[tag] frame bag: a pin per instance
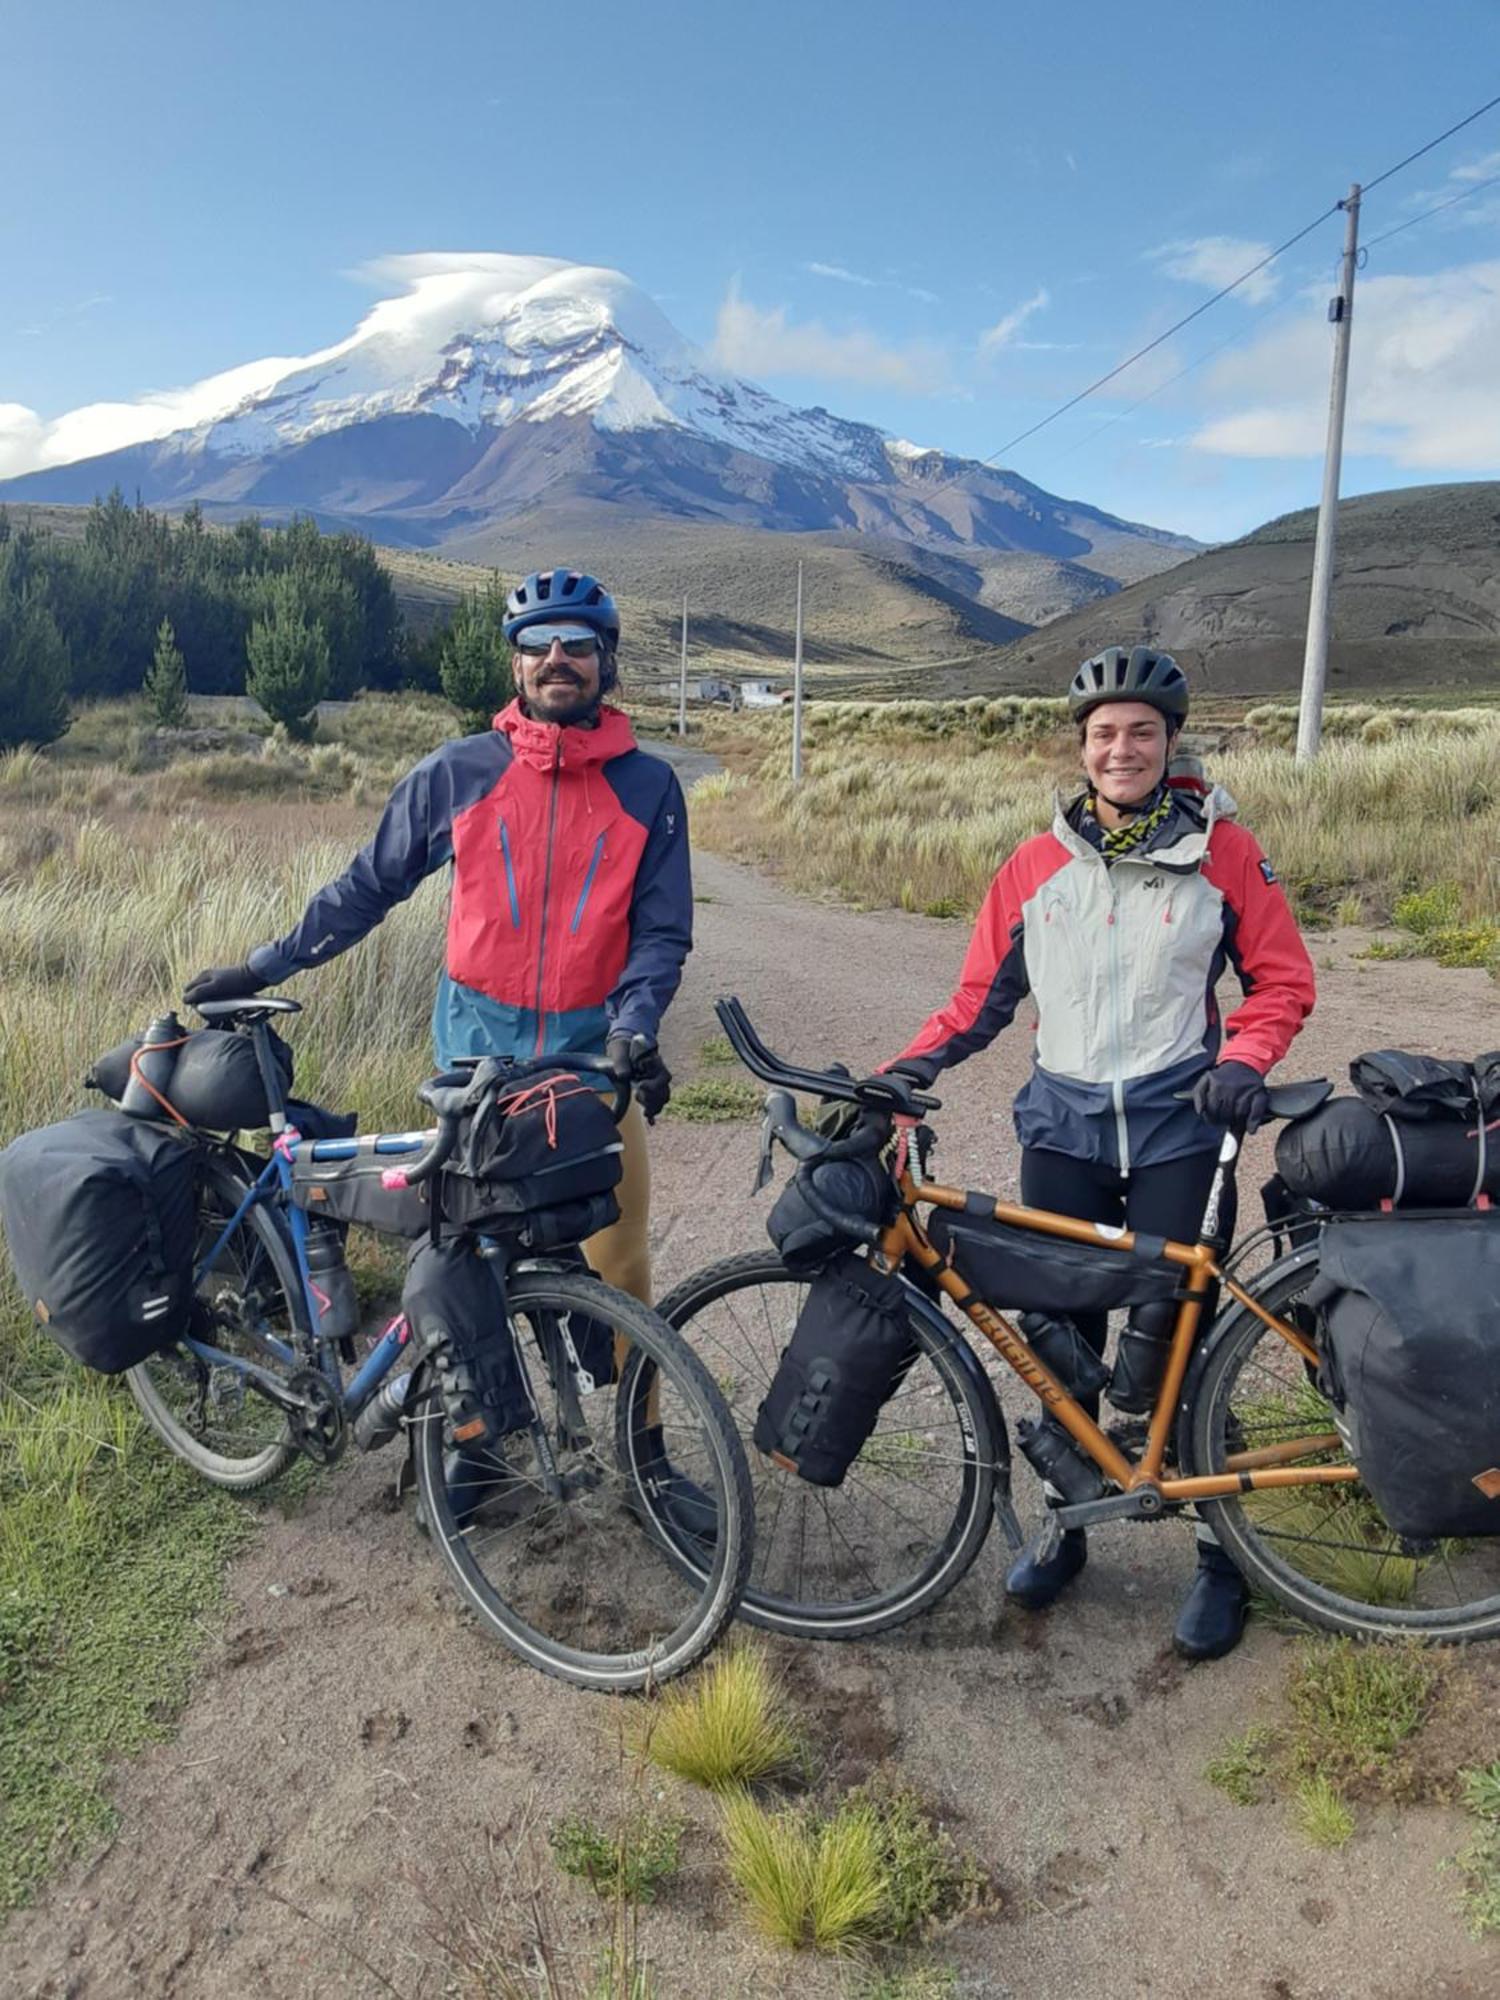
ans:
(351, 1191)
(1413, 1343)
(99, 1213)
(1021, 1270)
(848, 1354)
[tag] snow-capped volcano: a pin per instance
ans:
(493, 384)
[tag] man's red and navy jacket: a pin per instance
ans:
(572, 904)
(1122, 958)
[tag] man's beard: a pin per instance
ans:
(579, 708)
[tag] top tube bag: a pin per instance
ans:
(1021, 1270)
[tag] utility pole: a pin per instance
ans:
(797, 690)
(1315, 659)
(682, 678)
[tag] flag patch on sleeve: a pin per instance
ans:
(1267, 870)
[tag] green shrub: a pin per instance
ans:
(629, 1860)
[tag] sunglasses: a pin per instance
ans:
(538, 649)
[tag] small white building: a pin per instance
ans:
(761, 694)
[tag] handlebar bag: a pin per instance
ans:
(1413, 1331)
(848, 1354)
(99, 1215)
(861, 1187)
(531, 1149)
(1348, 1155)
(1019, 1270)
(215, 1080)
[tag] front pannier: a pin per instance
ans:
(1019, 1270)
(455, 1305)
(859, 1187)
(1347, 1155)
(538, 1160)
(99, 1214)
(847, 1356)
(1413, 1338)
(215, 1080)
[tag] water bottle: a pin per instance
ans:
(332, 1280)
(153, 1064)
(1140, 1364)
(1059, 1346)
(1058, 1461)
(380, 1419)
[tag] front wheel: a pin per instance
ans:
(247, 1303)
(913, 1509)
(1325, 1552)
(554, 1534)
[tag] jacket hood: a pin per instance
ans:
(548, 744)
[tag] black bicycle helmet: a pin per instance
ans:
(552, 595)
(1139, 674)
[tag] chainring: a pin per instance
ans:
(317, 1427)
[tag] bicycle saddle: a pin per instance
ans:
(253, 1007)
(1296, 1100)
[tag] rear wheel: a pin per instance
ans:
(555, 1534)
(915, 1506)
(1324, 1552)
(248, 1304)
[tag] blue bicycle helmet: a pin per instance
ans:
(549, 596)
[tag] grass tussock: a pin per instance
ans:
(728, 1726)
(1323, 1818)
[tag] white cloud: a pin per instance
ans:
(1216, 261)
(837, 271)
(1477, 170)
(751, 340)
(1424, 390)
(1003, 333)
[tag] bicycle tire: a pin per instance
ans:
(1274, 1544)
(622, 1569)
(945, 1369)
(261, 1259)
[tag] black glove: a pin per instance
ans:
(637, 1058)
(1234, 1095)
(224, 982)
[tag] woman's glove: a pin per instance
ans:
(1233, 1095)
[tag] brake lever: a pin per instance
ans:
(764, 1168)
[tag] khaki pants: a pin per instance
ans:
(621, 1254)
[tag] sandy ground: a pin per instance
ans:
(353, 1736)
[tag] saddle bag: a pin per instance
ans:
(860, 1187)
(215, 1079)
(1411, 1312)
(1019, 1270)
(99, 1215)
(848, 1354)
(1348, 1155)
(538, 1162)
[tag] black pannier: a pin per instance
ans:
(1412, 1346)
(859, 1187)
(537, 1158)
(1347, 1155)
(1019, 1270)
(351, 1191)
(455, 1305)
(99, 1214)
(848, 1354)
(215, 1080)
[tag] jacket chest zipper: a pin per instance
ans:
(510, 875)
(1117, 1079)
(541, 949)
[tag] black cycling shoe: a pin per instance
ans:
(682, 1501)
(1212, 1617)
(1035, 1584)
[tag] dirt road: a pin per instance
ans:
(352, 1736)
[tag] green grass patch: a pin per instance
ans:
(717, 1052)
(1353, 1707)
(713, 1100)
(1322, 1817)
(1242, 1769)
(1479, 1864)
(631, 1858)
(726, 1727)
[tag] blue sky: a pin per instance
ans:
(941, 218)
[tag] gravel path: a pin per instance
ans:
(353, 1737)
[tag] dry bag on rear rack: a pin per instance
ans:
(860, 1187)
(1020, 1270)
(1347, 1155)
(99, 1215)
(215, 1080)
(847, 1356)
(1413, 1348)
(538, 1161)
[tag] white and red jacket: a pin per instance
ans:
(1122, 958)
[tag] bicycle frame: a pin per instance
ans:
(1246, 1471)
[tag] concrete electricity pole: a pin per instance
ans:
(1315, 660)
(682, 678)
(797, 690)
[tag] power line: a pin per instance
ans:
(1368, 185)
(1437, 209)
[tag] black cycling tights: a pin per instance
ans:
(1165, 1200)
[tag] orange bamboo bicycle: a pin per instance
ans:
(1240, 1430)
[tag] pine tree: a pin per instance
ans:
(34, 662)
(474, 666)
(287, 660)
(165, 686)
